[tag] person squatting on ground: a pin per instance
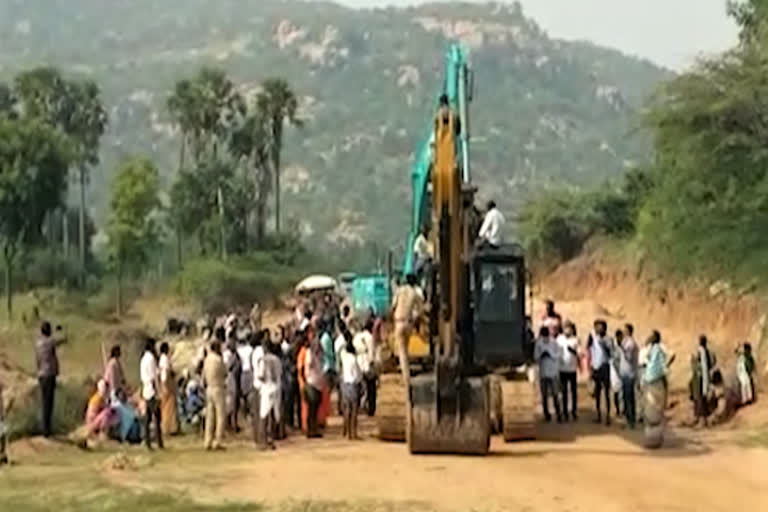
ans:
(568, 342)
(547, 355)
(600, 348)
(150, 386)
(215, 382)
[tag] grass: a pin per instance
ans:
(68, 480)
(757, 438)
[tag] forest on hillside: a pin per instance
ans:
(547, 112)
(699, 208)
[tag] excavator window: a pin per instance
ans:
(498, 292)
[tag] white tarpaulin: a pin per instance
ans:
(315, 283)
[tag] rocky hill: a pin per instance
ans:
(546, 111)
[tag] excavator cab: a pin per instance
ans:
(498, 283)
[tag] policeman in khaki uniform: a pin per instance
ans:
(406, 309)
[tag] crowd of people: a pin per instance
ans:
(620, 371)
(277, 381)
(283, 380)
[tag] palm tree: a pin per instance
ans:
(251, 144)
(277, 103)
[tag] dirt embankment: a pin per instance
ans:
(596, 285)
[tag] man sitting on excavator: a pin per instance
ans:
(490, 231)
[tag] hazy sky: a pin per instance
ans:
(669, 32)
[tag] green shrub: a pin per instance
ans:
(68, 413)
(219, 286)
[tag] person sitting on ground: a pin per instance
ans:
(726, 398)
(547, 355)
(99, 415)
(194, 403)
(127, 426)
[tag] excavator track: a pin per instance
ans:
(391, 413)
(518, 397)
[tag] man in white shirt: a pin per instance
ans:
(490, 231)
(569, 366)
(269, 370)
(150, 379)
(245, 352)
(363, 343)
(423, 253)
(257, 355)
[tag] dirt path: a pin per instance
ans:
(580, 468)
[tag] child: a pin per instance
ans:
(351, 382)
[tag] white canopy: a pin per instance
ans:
(316, 283)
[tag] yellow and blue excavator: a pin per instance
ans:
(474, 336)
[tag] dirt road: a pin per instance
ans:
(584, 468)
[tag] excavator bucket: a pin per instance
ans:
(457, 424)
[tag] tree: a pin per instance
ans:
(205, 108)
(34, 160)
(277, 103)
(7, 101)
(250, 143)
(74, 108)
(708, 206)
(132, 229)
(86, 127)
(750, 16)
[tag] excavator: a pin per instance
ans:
(474, 332)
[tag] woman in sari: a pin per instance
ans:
(301, 360)
(99, 416)
(168, 409)
(655, 392)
